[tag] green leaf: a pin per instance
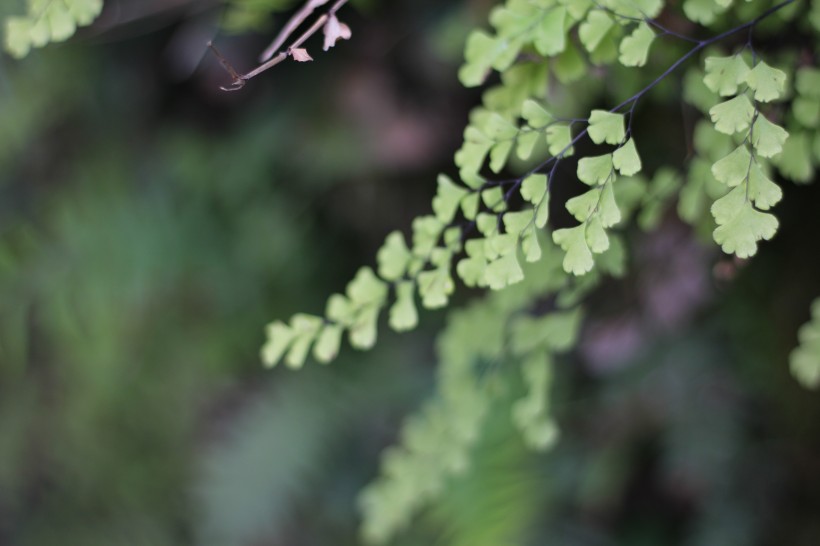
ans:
(493, 198)
(366, 288)
(363, 331)
(762, 191)
(517, 222)
(595, 170)
(807, 82)
(403, 313)
(526, 143)
(472, 270)
(626, 159)
(469, 205)
(340, 309)
(740, 235)
(48, 22)
(530, 245)
(569, 66)
(504, 271)
(725, 74)
(393, 257)
(499, 155)
(608, 210)
(732, 116)
(426, 231)
(733, 169)
(768, 83)
(804, 361)
(606, 127)
(634, 49)
(729, 206)
(794, 162)
(551, 37)
(480, 53)
(534, 188)
(702, 11)
(435, 287)
(279, 338)
(305, 329)
(597, 238)
(578, 259)
(535, 115)
(559, 140)
(768, 138)
(486, 223)
(582, 206)
(327, 344)
(447, 199)
(593, 30)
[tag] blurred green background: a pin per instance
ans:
(150, 225)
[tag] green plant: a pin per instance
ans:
(496, 226)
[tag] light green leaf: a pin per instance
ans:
(550, 38)
(499, 155)
(366, 288)
(486, 223)
(426, 232)
(517, 222)
(593, 30)
(608, 210)
(393, 257)
(606, 127)
(806, 111)
(327, 344)
(48, 22)
(535, 115)
(768, 83)
(472, 270)
(626, 159)
(729, 206)
(578, 259)
(733, 169)
(740, 235)
(569, 66)
(363, 331)
(732, 116)
(526, 143)
(447, 199)
(531, 246)
(542, 212)
(534, 188)
(762, 191)
(500, 244)
(634, 48)
(469, 205)
(504, 271)
(702, 11)
(768, 138)
(403, 313)
(725, 74)
(493, 199)
(597, 239)
(435, 287)
(279, 337)
(794, 162)
(595, 170)
(807, 82)
(582, 206)
(804, 361)
(340, 309)
(305, 329)
(559, 140)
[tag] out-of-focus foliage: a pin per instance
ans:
(149, 225)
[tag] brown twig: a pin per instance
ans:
(267, 58)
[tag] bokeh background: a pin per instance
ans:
(150, 225)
